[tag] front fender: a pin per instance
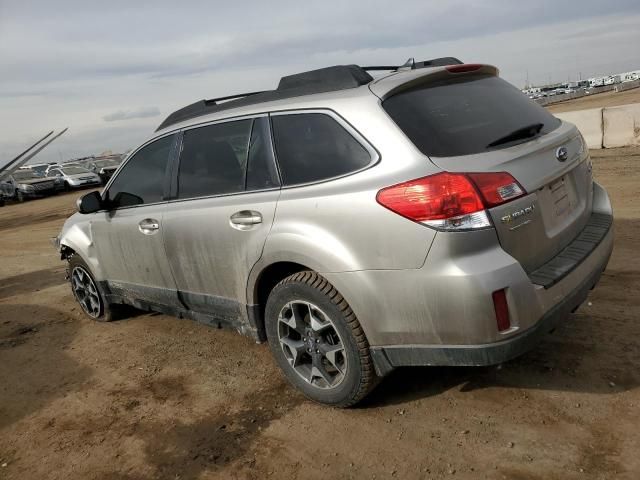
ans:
(77, 235)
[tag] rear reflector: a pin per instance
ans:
(451, 201)
(502, 309)
(465, 67)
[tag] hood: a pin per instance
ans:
(33, 181)
(77, 176)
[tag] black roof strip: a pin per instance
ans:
(329, 79)
(214, 101)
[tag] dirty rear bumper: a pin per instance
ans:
(386, 358)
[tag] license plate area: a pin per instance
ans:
(561, 196)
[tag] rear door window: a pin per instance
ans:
(474, 114)
(214, 159)
(312, 147)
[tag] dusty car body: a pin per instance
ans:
(432, 216)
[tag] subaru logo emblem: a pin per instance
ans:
(562, 154)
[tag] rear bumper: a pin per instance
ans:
(443, 313)
(386, 358)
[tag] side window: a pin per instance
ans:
(141, 180)
(261, 165)
(312, 146)
(213, 159)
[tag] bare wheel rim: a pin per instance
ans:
(85, 291)
(311, 344)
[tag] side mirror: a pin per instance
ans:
(89, 203)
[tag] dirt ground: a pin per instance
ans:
(606, 99)
(156, 397)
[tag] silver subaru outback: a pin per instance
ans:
(430, 215)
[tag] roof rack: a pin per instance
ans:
(329, 79)
(201, 107)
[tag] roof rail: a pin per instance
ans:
(338, 77)
(214, 101)
(201, 107)
(329, 79)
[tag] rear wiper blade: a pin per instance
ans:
(523, 132)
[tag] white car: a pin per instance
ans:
(73, 176)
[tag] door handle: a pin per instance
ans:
(149, 226)
(245, 219)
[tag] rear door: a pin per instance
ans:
(129, 236)
(215, 229)
(480, 123)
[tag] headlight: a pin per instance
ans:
(24, 186)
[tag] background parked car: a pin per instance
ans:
(103, 168)
(73, 176)
(28, 184)
(6, 192)
(38, 169)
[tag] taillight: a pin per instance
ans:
(502, 310)
(450, 201)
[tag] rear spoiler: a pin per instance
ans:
(390, 85)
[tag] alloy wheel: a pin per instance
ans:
(85, 291)
(311, 344)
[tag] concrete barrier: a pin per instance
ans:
(589, 122)
(621, 126)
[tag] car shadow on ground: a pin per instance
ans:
(32, 282)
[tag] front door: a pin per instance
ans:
(215, 229)
(129, 235)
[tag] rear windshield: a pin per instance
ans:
(471, 115)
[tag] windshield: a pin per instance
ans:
(24, 175)
(474, 114)
(39, 168)
(74, 170)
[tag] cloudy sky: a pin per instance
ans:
(111, 71)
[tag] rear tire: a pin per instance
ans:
(317, 341)
(88, 292)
